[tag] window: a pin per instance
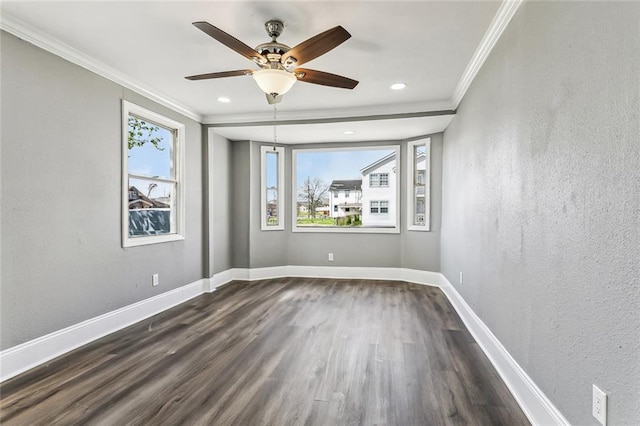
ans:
(335, 185)
(272, 182)
(418, 185)
(153, 199)
(379, 207)
(377, 180)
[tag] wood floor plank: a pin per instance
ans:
(287, 351)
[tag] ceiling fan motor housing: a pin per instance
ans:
(273, 50)
(274, 28)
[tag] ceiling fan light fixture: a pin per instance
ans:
(274, 81)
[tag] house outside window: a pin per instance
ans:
(152, 169)
(338, 181)
(380, 191)
(272, 188)
(418, 194)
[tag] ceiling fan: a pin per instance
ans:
(278, 62)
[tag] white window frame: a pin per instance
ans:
(263, 188)
(372, 230)
(411, 172)
(149, 116)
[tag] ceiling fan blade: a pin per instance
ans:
(317, 45)
(273, 99)
(324, 78)
(219, 74)
(230, 41)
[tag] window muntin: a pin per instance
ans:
(153, 205)
(343, 185)
(418, 194)
(272, 190)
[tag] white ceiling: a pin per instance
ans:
(151, 46)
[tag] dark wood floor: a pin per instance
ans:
(289, 351)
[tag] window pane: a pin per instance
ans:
(272, 207)
(337, 186)
(150, 149)
(419, 181)
(151, 207)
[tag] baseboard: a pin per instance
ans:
(371, 273)
(535, 404)
(220, 279)
(18, 359)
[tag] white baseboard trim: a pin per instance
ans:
(372, 273)
(23, 357)
(535, 404)
(220, 279)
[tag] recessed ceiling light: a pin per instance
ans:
(349, 132)
(398, 86)
(224, 100)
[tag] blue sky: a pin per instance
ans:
(147, 160)
(335, 165)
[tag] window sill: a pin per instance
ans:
(155, 239)
(394, 230)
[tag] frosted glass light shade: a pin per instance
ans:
(274, 81)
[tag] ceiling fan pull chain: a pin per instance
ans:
(275, 133)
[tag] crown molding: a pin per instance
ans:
(505, 12)
(58, 48)
(334, 115)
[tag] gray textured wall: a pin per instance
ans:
(62, 259)
(409, 249)
(541, 201)
(240, 204)
(221, 211)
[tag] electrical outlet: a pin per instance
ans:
(330, 257)
(154, 280)
(599, 405)
(460, 277)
